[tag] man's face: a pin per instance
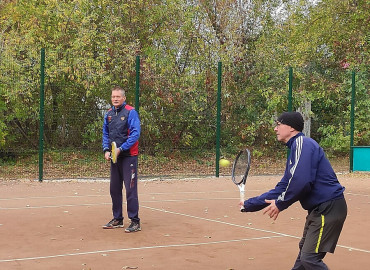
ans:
(283, 132)
(117, 98)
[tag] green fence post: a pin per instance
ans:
(41, 116)
(137, 93)
(352, 120)
(218, 129)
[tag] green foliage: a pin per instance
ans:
(91, 137)
(92, 45)
(323, 42)
(334, 141)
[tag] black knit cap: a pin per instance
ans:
(293, 119)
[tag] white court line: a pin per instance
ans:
(137, 248)
(96, 204)
(52, 206)
(186, 215)
(176, 245)
(106, 195)
(51, 197)
(146, 194)
(218, 221)
(246, 227)
(356, 194)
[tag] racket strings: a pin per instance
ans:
(239, 171)
(241, 167)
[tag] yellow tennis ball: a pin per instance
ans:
(224, 162)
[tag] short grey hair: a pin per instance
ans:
(119, 88)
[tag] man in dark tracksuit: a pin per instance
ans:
(122, 125)
(309, 179)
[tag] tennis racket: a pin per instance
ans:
(113, 154)
(240, 171)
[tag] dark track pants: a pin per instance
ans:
(124, 172)
(320, 235)
(306, 261)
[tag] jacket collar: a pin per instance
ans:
(119, 108)
(291, 140)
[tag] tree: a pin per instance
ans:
(92, 45)
(315, 39)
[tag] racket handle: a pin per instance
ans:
(242, 201)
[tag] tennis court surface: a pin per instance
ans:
(186, 224)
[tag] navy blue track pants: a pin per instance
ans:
(124, 172)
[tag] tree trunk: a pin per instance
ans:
(305, 110)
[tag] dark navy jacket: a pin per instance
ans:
(122, 126)
(309, 178)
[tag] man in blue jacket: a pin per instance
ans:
(310, 179)
(122, 125)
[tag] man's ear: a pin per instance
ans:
(293, 131)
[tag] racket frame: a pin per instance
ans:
(241, 184)
(114, 152)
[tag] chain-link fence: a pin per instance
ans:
(178, 112)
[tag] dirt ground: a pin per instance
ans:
(186, 224)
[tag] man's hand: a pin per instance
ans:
(241, 206)
(107, 154)
(271, 210)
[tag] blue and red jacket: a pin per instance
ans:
(309, 178)
(122, 125)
